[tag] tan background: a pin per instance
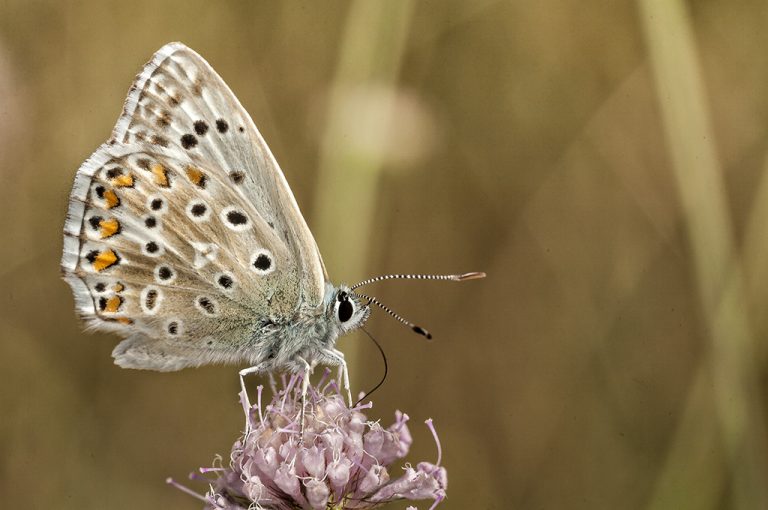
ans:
(603, 161)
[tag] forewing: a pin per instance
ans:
(179, 101)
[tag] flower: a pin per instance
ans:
(337, 460)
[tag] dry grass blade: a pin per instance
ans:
(718, 273)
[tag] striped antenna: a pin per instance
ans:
(450, 277)
(408, 323)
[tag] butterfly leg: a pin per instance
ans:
(304, 387)
(338, 356)
(272, 382)
(245, 400)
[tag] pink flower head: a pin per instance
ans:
(340, 460)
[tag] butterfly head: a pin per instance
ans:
(347, 309)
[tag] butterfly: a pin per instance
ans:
(183, 237)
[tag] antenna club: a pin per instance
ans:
(422, 331)
(475, 275)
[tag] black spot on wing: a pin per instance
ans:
(150, 301)
(165, 273)
(114, 172)
(94, 221)
(207, 305)
(201, 127)
(237, 218)
(262, 262)
(188, 141)
(198, 210)
(225, 281)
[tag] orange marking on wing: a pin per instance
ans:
(160, 173)
(123, 181)
(119, 287)
(111, 198)
(109, 227)
(113, 304)
(121, 320)
(104, 260)
(195, 175)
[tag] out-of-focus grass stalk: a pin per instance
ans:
(693, 475)
(755, 251)
(369, 59)
(731, 370)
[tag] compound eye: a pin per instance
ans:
(345, 310)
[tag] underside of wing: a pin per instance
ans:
(179, 102)
(182, 233)
(159, 244)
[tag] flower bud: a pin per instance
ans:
(313, 461)
(338, 472)
(375, 478)
(286, 479)
(317, 494)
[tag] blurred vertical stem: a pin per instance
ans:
(756, 254)
(369, 57)
(731, 370)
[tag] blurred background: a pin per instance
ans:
(604, 162)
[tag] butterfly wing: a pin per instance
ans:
(180, 100)
(182, 233)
